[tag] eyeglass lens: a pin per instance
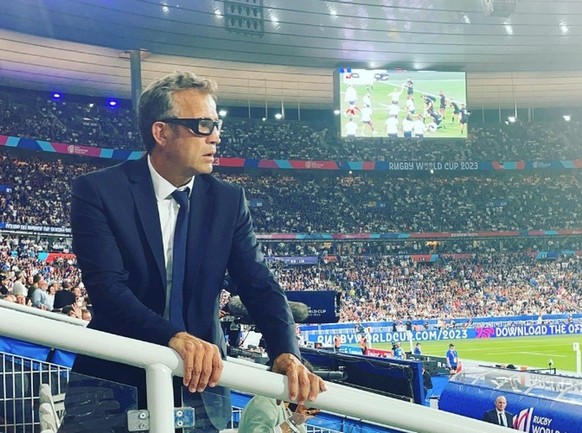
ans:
(205, 126)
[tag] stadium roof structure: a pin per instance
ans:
(522, 53)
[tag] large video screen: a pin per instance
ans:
(415, 104)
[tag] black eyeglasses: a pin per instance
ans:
(200, 126)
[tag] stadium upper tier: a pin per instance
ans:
(31, 114)
(36, 191)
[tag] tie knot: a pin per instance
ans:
(181, 196)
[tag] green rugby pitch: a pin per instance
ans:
(534, 352)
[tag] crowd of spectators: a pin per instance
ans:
(374, 287)
(449, 248)
(499, 277)
(36, 192)
(32, 114)
(28, 279)
(393, 288)
(37, 189)
(543, 141)
(380, 204)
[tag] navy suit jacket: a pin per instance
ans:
(491, 417)
(118, 242)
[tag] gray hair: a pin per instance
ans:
(156, 101)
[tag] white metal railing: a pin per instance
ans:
(160, 363)
(26, 384)
(42, 313)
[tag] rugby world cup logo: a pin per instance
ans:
(522, 421)
(485, 332)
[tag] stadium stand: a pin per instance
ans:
(440, 249)
(36, 192)
(35, 115)
(377, 279)
(388, 287)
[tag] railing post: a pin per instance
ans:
(160, 398)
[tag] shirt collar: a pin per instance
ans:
(162, 188)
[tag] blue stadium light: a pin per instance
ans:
(112, 103)
(57, 95)
(222, 113)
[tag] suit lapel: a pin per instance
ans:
(147, 209)
(200, 218)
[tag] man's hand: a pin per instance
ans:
(303, 385)
(303, 413)
(202, 361)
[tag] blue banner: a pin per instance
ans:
(34, 228)
(294, 260)
(536, 409)
(348, 336)
(429, 166)
(477, 322)
(323, 304)
(532, 330)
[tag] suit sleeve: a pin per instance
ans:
(258, 289)
(96, 242)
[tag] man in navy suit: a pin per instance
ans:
(123, 221)
(499, 415)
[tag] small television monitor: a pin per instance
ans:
(398, 103)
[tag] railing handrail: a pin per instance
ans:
(42, 313)
(162, 362)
